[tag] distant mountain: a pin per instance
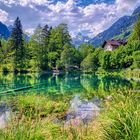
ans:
(119, 30)
(10, 28)
(26, 37)
(136, 11)
(4, 32)
(80, 39)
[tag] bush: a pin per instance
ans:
(136, 56)
(93, 61)
(128, 61)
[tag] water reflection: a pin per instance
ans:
(4, 116)
(68, 83)
(82, 111)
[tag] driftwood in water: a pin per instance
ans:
(18, 89)
(21, 89)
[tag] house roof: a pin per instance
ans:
(115, 43)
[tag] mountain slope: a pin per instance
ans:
(4, 32)
(80, 39)
(120, 29)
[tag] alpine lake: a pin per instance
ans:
(86, 91)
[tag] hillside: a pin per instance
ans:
(120, 29)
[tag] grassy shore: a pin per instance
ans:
(34, 116)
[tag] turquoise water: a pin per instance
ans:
(78, 85)
(63, 84)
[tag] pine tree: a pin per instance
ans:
(46, 31)
(18, 45)
(39, 46)
(45, 47)
(36, 47)
(66, 38)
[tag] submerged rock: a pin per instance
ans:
(82, 111)
(4, 116)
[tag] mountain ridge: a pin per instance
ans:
(121, 29)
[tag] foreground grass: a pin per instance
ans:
(35, 116)
(121, 120)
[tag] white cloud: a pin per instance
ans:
(126, 6)
(3, 16)
(7, 2)
(93, 18)
(33, 2)
(29, 31)
(25, 2)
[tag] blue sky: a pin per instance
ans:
(87, 16)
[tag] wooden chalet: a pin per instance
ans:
(111, 45)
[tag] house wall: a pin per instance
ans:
(108, 47)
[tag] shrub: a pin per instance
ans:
(136, 56)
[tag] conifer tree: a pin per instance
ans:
(46, 31)
(18, 45)
(45, 47)
(65, 36)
